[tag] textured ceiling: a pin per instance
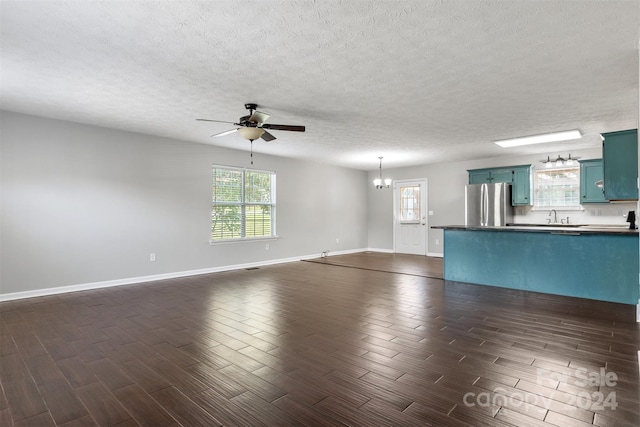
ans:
(414, 81)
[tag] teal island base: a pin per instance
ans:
(601, 267)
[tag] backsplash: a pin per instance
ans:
(613, 213)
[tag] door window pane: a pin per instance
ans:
(410, 203)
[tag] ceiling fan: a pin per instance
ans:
(253, 126)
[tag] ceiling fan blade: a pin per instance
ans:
(258, 117)
(284, 127)
(227, 132)
(216, 121)
(267, 136)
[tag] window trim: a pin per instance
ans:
(274, 235)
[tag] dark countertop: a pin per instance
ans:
(560, 229)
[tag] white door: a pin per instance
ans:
(410, 217)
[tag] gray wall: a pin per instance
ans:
(82, 204)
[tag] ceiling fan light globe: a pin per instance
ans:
(251, 133)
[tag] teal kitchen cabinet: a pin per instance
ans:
(597, 266)
(590, 173)
(521, 186)
(518, 176)
(479, 176)
(502, 175)
(620, 165)
(492, 176)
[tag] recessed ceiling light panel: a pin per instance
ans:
(539, 139)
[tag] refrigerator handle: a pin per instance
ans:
(484, 197)
(482, 205)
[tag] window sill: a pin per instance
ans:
(242, 240)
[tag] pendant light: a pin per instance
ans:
(378, 182)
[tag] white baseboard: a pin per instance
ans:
(142, 279)
(436, 254)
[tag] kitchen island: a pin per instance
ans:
(599, 263)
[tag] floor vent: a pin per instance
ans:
(252, 268)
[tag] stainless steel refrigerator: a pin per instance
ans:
(488, 205)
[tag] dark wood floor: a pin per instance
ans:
(310, 344)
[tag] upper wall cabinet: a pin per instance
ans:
(521, 186)
(518, 176)
(620, 165)
(490, 176)
(590, 174)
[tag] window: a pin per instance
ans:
(557, 188)
(243, 204)
(410, 204)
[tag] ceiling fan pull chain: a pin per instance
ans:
(251, 150)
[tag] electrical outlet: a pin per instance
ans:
(152, 257)
(437, 241)
(337, 240)
(266, 247)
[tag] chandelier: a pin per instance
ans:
(378, 182)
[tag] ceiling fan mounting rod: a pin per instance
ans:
(251, 107)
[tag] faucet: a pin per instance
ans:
(555, 216)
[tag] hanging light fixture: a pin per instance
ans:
(378, 182)
(559, 161)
